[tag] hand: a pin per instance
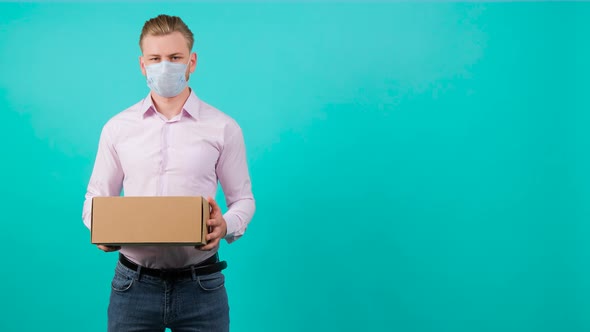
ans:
(108, 248)
(217, 226)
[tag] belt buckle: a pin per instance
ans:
(171, 274)
(167, 274)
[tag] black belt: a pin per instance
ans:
(208, 266)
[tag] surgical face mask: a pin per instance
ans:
(167, 79)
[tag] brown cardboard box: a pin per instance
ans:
(161, 220)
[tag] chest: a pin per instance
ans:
(170, 147)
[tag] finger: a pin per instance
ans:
(210, 245)
(103, 248)
(215, 234)
(213, 222)
(108, 248)
(214, 207)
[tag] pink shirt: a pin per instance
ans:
(145, 154)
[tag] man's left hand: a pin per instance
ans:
(217, 226)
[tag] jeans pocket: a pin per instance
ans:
(211, 282)
(121, 282)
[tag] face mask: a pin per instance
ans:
(167, 79)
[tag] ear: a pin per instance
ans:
(142, 65)
(193, 65)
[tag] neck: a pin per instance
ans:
(170, 107)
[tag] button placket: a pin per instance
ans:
(165, 157)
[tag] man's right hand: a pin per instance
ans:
(108, 248)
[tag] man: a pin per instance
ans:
(172, 144)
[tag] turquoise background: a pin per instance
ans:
(417, 166)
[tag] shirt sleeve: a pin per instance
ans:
(233, 175)
(107, 175)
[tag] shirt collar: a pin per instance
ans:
(192, 106)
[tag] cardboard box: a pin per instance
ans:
(161, 220)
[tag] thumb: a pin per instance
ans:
(214, 207)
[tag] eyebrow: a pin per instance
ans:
(173, 54)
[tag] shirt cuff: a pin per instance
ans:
(233, 224)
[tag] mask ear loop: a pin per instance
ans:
(188, 66)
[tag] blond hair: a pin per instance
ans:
(162, 25)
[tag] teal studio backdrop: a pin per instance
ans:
(417, 166)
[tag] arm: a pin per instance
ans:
(232, 172)
(107, 175)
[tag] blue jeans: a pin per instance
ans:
(145, 303)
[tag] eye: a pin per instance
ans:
(175, 58)
(154, 59)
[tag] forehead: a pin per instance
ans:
(163, 45)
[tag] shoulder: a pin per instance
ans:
(123, 119)
(219, 119)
